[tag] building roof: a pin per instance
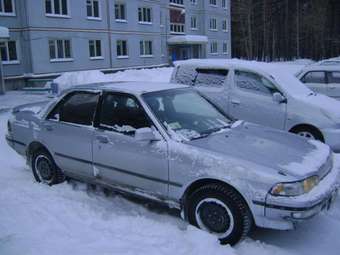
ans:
(135, 87)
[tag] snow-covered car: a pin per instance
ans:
(264, 94)
(324, 79)
(168, 143)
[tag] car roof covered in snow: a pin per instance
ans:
(328, 68)
(135, 87)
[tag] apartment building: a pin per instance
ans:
(48, 37)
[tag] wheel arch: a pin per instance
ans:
(208, 180)
(32, 147)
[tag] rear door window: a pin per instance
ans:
(210, 77)
(314, 77)
(76, 108)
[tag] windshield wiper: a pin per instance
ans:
(210, 131)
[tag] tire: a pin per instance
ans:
(44, 168)
(309, 132)
(220, 210)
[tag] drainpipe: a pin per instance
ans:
(2, 82)
(109, 31)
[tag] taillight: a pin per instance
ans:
(9, 127)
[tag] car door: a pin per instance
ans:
(252, 100)
(334, 84)
(68, 131)
(118, 157)
(316, 81)
(212, 84)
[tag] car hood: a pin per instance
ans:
(285, 153)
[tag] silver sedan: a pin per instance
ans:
(165, 142)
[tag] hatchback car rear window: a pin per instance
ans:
(185, 74)
(76, 108)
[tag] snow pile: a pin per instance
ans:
(156, 74)
(70, 79)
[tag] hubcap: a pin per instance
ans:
(214, 216)
(306, 134)
(43, 168)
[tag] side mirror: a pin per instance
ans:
(146, 135)
(279, 98)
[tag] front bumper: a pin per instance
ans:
(332, 138)
(283, 212)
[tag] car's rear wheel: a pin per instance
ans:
(220, 210)
(44, 168)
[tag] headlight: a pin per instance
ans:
(295, 188)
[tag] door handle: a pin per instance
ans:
(102, 139)
(236, 102)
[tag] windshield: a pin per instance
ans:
(185, 114)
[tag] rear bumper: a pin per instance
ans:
(283, 212)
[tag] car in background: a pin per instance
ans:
(167, 143)
(323, 79)
(263, 94)
(329, 62)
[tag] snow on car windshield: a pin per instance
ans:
(185, 114)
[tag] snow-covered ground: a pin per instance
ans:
(72, 219)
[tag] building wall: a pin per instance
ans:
(32, 29)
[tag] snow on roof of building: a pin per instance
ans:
(188, 39)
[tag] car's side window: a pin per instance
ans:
(76, 108)
(254, 83)
(314, 77)
(210, 77)
(334, 77)
(122, 113)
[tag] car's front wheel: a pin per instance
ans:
(44, 168)
(221, 211)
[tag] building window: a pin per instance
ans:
(213, 24)
(193, 1)
(224, 4)
(177, 28)
(144, 15)
(193, 23)
(179, 2)
(177, 21)
(122, 49)
(95, 49)
(56, 7)
(225, 25)
(145, 48)
(60, 50)
(8, 52)
(213, 2)
(93, 9)
(120, 14)
(213, 47)
(7, 7)
(225, 47)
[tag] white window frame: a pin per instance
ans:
(11, 62)
(56, 59)
(177, 2)
(143, 18)
(224, 4)
(193, 18)
(225, 22)
(96, 56)
(92, 9)
(211, 48)
(225, 50)
(211, 28)
(193, 2)
(125, 14)
(54, 15)
(3, 13)
(127, 49)
(144, 44)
